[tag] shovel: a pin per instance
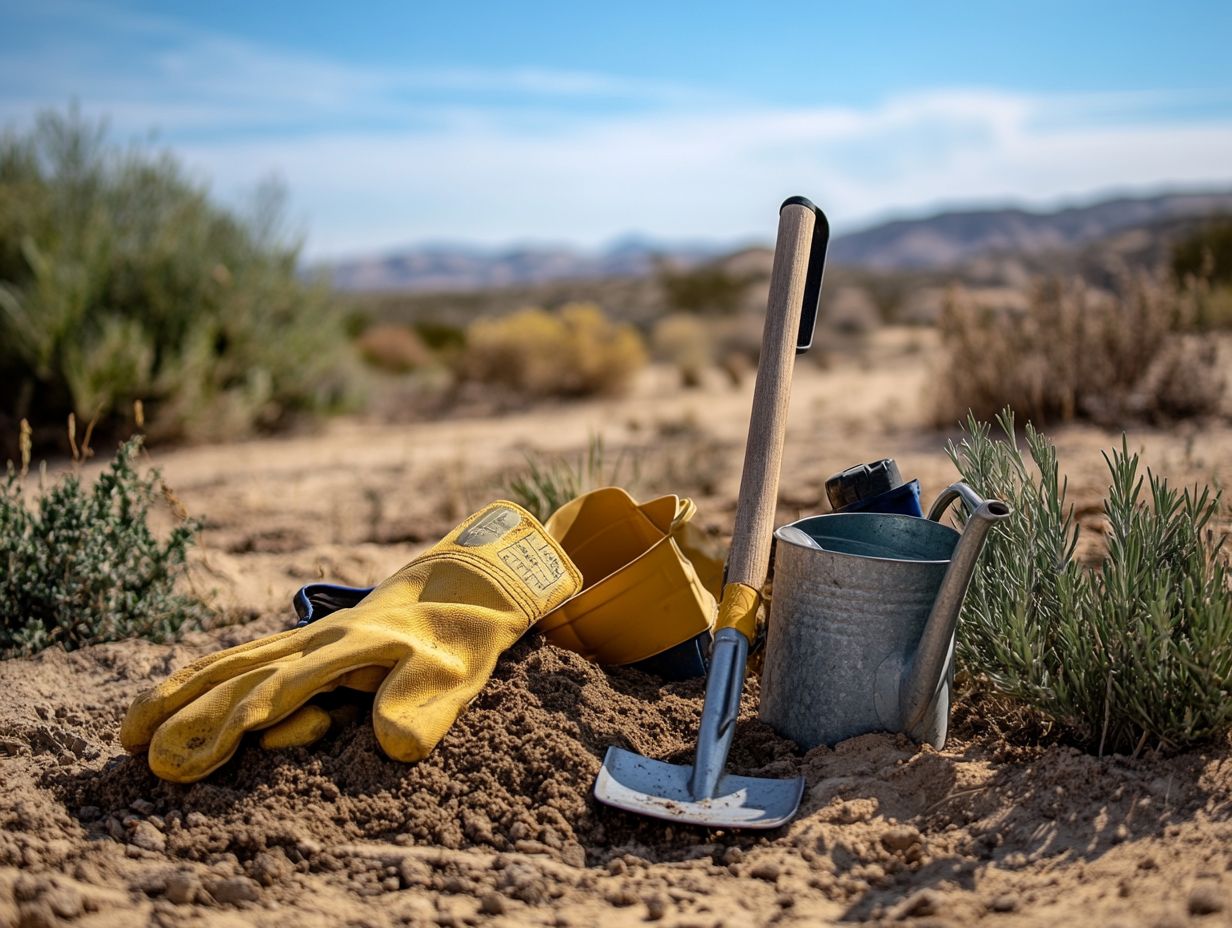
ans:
(703, 794)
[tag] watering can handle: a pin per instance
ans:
(749, 560)
(960, 490)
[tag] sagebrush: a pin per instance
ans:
(81, 565)
(120, 279)
(576, 351)
(1080, 353)
(1133, 653)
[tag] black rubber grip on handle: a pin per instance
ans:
(816, 270)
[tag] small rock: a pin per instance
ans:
(272, 867)
(36, 914)
(116, 829)
(530, 846)
(573, 854)
(900, 837)
(89, 813)
(414, 872)
(1004, 903)
(234, 890)
(1206, 899)
(656, 907)
(181, 888)
(492, 904)
(919, 904)
(142, 806)
(620, 896)
(195, 820)
(148, 838)
(733, 855)
(65, 901)
(765, 870)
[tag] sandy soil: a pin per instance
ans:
(497, 826)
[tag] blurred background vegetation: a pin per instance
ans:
(122, 280)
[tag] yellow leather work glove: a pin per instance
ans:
(425, 640)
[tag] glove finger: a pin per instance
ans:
(204, 734)
(365, 679)
(419, 701)
(154, 706)
(309, 723)
(305, 726)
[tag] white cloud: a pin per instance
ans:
(719, 175)
(378, 157)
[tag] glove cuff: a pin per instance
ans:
(510, 546)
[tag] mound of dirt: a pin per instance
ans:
(498, 823)
(513, 774)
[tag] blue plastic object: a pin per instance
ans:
(875, 487)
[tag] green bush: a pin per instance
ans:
(121, 280)
(1136, 652)
(81, 565)
(710, 289)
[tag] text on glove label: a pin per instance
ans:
(535, 563)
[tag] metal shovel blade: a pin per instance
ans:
(651, 787)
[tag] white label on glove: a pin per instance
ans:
(535, 563)
(492, 527)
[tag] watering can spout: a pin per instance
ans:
(925, 674)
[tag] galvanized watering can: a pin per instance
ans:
(861, 632)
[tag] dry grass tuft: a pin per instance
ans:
(1076, 352)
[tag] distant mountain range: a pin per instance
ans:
(950, 238)
(931, 243)
(464, 267)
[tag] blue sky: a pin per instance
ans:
(396, 123)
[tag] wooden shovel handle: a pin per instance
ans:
(749, 559)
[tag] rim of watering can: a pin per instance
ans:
(867, 515)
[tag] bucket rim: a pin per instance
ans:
(865, 515)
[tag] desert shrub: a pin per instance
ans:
(550, 481)
(850, 310)
(574, 352)
(687, 343)
(394, 348)
(1206, 252)
(120, 279)
(441, 336)
(81, 565)
(1076, 353)
(1134, 652)
(708, 289)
